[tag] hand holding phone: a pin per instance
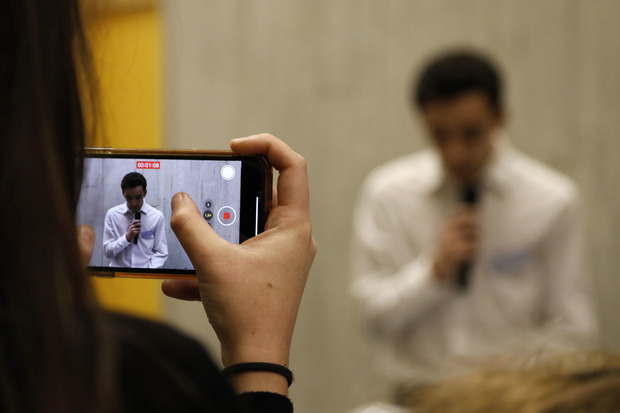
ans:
(126, 197)
(251, 292)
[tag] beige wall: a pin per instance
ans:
(330, 77)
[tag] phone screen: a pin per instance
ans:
(126, 200)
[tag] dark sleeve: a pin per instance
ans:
(265, 402)
(162, 370)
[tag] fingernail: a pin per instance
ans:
(241, 139)
(176, 199)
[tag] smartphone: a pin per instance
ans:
(126, 196)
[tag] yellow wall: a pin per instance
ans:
(126, 47)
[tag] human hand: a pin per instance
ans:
(86, 243)
(134, 230)
(457, 243)
(251, 292)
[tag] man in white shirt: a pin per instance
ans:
(134, 233)
(467, 247)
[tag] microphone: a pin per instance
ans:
(137, 217)
(470, 197)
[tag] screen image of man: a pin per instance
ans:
(467, 247)
(134, 232)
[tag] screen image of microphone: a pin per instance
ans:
(137, 217)
(470, 198)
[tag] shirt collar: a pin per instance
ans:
(494, 175)
(435, 177)
(145, 209)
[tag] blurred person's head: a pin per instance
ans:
(571, 382)
(133, 186)
(47, 309)
(460, 99)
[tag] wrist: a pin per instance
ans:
(438, 270)
(441, 269)
(259, 381)
(277, 354)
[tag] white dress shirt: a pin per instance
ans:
(526, 281)
(151, 251)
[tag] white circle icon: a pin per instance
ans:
(227, 216)
(227, 172)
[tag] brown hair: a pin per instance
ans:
(570, 382)
(48, 317)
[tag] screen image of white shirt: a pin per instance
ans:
(151, 250)
(527, 279)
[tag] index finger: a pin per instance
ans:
(86, 243)
(293, 180)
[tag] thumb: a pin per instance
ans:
(198, 239)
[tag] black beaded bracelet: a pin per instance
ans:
(270, 367)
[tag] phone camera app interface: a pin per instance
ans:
(127, 203)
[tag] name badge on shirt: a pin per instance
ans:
(146, 234)
(511, 262)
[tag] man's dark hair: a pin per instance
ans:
(133, 179)
(453, 74)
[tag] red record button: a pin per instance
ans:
(227, 216)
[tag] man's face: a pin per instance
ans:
(463, 130)
(135, 198)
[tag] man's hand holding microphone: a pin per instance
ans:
(134, 229)
(458, 242)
